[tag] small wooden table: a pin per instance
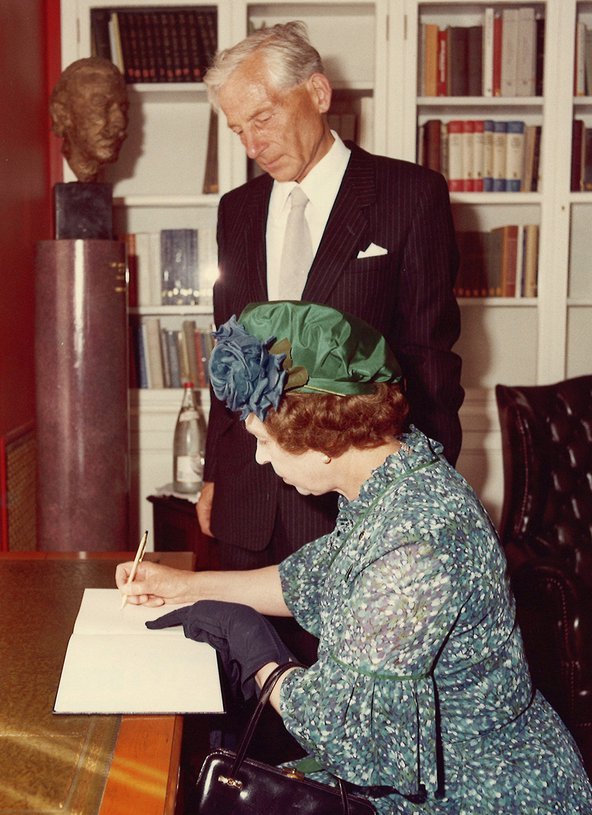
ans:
(95, 765)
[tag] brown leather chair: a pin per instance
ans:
(546, 530)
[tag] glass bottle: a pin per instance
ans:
(188, 445)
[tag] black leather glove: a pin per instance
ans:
(245, 639)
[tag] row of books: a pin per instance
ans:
(166, 357)
(482, 155)
(500, 263)
(581, 157)
(171, 267)
(156, 44)
(583, 60)
(501, 56)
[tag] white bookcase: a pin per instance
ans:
(370, 51)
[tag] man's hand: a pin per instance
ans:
(155, 584)
(203, 507)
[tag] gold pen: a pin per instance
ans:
(136, 563)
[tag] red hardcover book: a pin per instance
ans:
(432, 144)
(442, 84)
(497, 54)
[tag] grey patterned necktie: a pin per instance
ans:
(297, 249)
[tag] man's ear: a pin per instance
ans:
(320, 90)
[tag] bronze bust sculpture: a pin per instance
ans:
(88, 108)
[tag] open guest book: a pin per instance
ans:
(114, 664)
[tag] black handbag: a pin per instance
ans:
(230, 784)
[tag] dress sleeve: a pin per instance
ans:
(366, 710)
(302, 577)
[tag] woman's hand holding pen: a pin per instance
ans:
(155, 584)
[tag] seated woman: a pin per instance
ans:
(421, 695)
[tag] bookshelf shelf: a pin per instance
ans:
(164, 201)
(481, 102)
(171, 311)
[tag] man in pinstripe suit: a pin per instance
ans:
(385, 251)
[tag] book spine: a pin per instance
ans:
(588, 62)
(540, 54)
(579, 59)
(432, 142)
(164, 353)
(526, 58)
(514, 155)
(509, 51)
(499, 156)
(457, 62)
(577, 140)
(442, 84)
(510, 247)
(531, 260)
(586, 175)
(475, 60)
(488, 155)
(154, 352)
(478, 154)
(431, 60)
(455, 160)
(497, 53)
(468, 155)
(488, 16)
(99, 28)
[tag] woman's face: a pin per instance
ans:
(308, 472)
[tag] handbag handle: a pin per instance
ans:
(266, 692)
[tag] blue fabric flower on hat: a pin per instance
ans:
(243, 373)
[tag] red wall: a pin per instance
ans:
(28, 68)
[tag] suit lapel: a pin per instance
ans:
(345, 233)
(253, 237)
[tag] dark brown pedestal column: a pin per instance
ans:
(82, 396)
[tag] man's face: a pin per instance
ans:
(98, 114)
(283, 131)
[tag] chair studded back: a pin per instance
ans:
(546, 530)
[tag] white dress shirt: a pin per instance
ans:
(321, 185)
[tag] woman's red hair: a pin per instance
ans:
(333, 424)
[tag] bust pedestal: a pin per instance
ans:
(82, 396)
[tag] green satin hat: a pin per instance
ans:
(327, 351)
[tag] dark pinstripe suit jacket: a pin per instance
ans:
(406, 294)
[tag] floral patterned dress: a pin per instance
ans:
(421, 689)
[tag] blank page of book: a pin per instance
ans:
(114, 664)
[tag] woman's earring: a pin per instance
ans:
(326, 459)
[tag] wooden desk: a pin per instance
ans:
(77, 765)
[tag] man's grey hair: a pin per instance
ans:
(288, 54)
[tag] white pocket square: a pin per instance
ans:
(372, 251)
